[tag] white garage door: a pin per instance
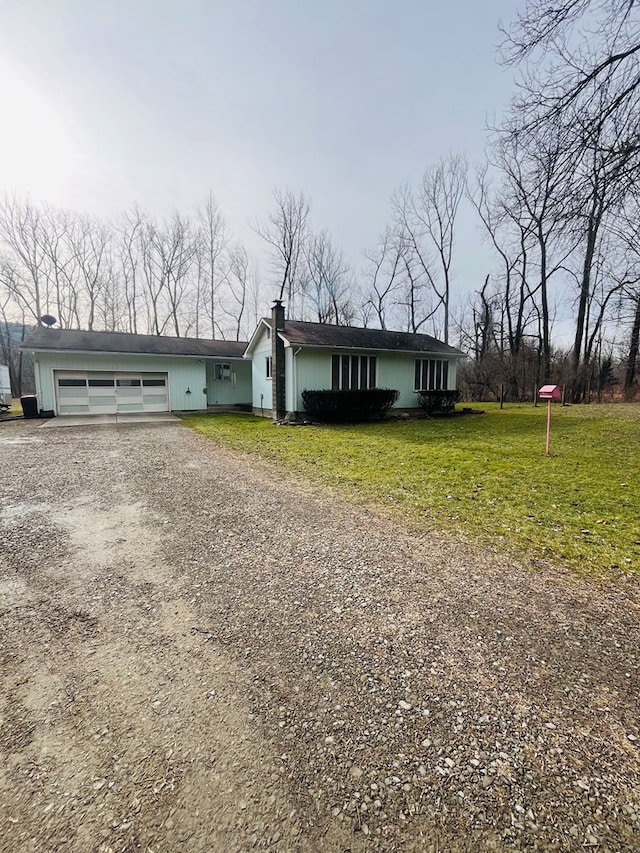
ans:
(98, 392)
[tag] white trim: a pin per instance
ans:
(263, 323)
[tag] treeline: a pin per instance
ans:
(557, 200)
(182, 276)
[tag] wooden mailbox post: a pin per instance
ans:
(549, 393)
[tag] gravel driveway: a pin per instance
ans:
(201, 653)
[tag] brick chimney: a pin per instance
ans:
(279, 402)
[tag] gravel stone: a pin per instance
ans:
(200, 651)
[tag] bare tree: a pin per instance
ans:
(285, 232)
(580, 85)
(254, 308)
(61, 267)
(527, 219)
(537, 171)
(89, 243)
(151, 279)
(128, 262)
(25, 264)
(587, 45)
(327, 284)
(170, 251)
(426, 219)
(111, 309)
(627, 232)
(506, 227)
(139, 275)
(633, 349)
(212, 244)
(238, 281)
(384, 274)
(596, 184)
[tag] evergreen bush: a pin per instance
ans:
(438, 402)
(349, 406)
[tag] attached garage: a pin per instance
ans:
(101, 392)
(110, 373)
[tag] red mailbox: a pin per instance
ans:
(549, 392)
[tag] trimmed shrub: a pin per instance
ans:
(438, 402)
(349, 406)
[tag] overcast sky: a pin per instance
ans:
(105, 103)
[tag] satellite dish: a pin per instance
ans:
(48, 320)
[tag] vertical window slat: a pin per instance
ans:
(344, 371)
(364, 372)
(335, 372)
(432, 374)
(355, 373)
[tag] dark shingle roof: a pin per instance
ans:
(352, 337)
(71, 340)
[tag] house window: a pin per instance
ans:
(222, 372)
(268, 366)
(431, 374)
(353, 372)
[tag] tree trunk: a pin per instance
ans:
(632, 360)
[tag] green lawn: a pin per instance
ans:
(484, 476)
